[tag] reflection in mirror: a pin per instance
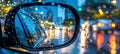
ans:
(44, 26)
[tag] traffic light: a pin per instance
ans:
(79, 9)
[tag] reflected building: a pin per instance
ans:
(61, 11)
(61, 15)
(49, 15)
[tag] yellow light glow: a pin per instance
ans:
(113, 25)
(114, 2)
(100, 25)
(6, 9)
(100, 40)
(71, 22)
(86, 23)
(97, 15)
(113, 44)
(51, 33)
(39, 0)
(100, 11)
(20, 49)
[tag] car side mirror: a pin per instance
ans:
(40, 26)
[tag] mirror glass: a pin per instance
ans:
(44, 26)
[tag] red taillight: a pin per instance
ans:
(112, 25)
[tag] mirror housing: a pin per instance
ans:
(11, 41)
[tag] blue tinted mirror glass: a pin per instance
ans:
(44, 26)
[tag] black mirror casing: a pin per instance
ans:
(12, 41)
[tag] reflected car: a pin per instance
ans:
(105, 24)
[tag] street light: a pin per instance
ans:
(41, 12)
(113, 2)
(39, 0)
(101, 11)
(36, 9)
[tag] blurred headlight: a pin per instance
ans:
(112, 25)
(100, 24)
